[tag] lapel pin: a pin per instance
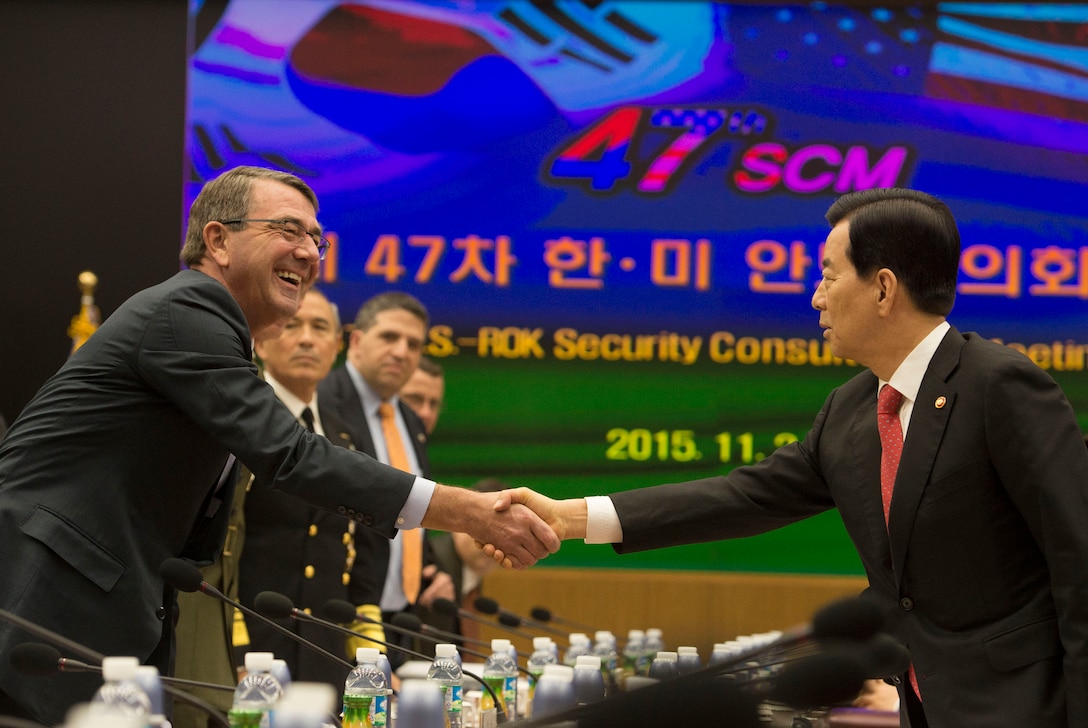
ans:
(421, 437)
(940, 402)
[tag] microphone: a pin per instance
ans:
(818, 681)
(184, 576)
(485, 605)
(41, 660)
(415, 624)
(88, 654)
(440, 635)
(448, 608)
(544, 614)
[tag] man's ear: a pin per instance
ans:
(215, 242)
(887, 286)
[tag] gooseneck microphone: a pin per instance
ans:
(88, 654)
(448, 608)
(485, 605)
(543, 614)
(435, 634)
(186, 577)
(412, 622)
(41, 660)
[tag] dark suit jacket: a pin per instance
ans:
(336, 396)
(986, 566)
(111, 468)
(300, 551)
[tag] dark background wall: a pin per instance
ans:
(91, 148)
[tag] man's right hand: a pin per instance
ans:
(567, 518)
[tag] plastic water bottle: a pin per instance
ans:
(651, 645)
(501, 675)
(604, 647)
(554, 691)
(588, 680)
(445, 672)
(687, 660)
(579, 645)
(149, 680)
(306, 705)
(420, 705)
(720, 653)
(281, 672)
(257, 693)
(120, 691)
(366, 702)
(541, 657)
(634, 660)
(664, 666)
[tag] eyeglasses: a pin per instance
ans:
(291, 231)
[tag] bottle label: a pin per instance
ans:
(356, 711)
(379, 711)
(510, 695)
(454, 700)
(245, 718)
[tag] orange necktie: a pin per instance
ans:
(411, 562)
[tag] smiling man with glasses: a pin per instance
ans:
(127, 455)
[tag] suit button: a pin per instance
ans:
(906, 604)
(368, 520)
(160, 613)
(341, 510)
(308, 572)
(351, 513)
(896, 680)
(313, 530)
(346, 578)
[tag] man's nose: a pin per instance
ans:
(819, 298)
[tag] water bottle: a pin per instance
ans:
(604, 647)
(634, 661)
(720, 653)
(281, 672)
(120, 691)
(149, 680)
(579, 645)
(306, 705)
(588, 680)
(664, 666)
(554, 691)
(366, 703)
(501, 675)
(445, 672)
(687, 660)
(257, 693)
(651, 645)
(541, 657)
(421, 705)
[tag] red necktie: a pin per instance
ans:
(411, 539)
(891, 441)
(891, 449)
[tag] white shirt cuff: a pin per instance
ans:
(602, 521)
(411, 515)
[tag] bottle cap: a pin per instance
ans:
(310, 698)
(590, 661)
(542, 643)
(259, 661)
(558, 672)
(667, 656)
(366, 654)
(578, 638)
(635, 634)
(500, 645)
(687, 650)
(653, 632)
(445, 650)
(119, 668)
(603, 635)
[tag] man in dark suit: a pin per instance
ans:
(124, 458)
(383, 350)
(975, 541)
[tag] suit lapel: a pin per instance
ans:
(928, 422)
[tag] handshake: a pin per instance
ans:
(516, 530)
